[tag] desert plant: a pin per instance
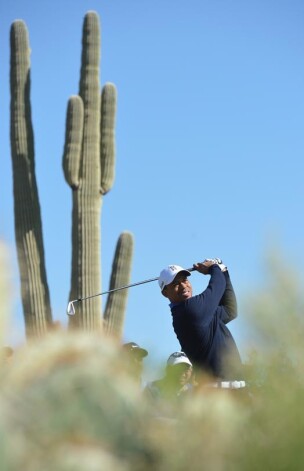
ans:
(70, 403)
(5, 290)
(28, 225)
(116, 302)
(89, 164)
(89, 169)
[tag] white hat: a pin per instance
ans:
(168, 274)
(178, 357)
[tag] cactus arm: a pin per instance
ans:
(28, 226)
(107, 141)
(73, 141)
(116, 302)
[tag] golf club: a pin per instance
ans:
(71, 307)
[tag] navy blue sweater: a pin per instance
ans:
(200, 326)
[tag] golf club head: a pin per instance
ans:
(71, 309)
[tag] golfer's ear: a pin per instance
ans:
(164, 292)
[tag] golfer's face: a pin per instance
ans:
(179, 290)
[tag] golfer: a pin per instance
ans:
(200, 321)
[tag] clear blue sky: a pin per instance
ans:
(209, 142)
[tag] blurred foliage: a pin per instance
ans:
(68, 402)
(275, 315)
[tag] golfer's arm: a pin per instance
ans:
(228, 300)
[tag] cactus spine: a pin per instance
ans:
(28, 227)
(88, 165)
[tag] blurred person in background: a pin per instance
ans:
(135, 354)
(7, 355)
(175, 383)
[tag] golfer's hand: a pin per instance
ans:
(203, 267)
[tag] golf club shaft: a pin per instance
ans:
(123, 287)
(71, 303)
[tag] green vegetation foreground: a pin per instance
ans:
(67, 402)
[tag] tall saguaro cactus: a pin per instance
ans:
(88, 164)
(28, 227)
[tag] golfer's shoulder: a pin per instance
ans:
(190, 306)
(179, 307)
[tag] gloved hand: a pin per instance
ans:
(218, 262)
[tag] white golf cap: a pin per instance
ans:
(178, 357)
(168, 274)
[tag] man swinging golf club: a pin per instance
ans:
(200, 321)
